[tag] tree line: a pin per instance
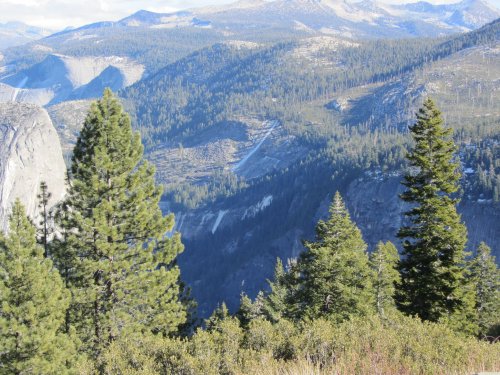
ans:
(100, 291)
(435, 279)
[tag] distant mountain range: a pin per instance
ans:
(363, 19)
(156, 39)
(17, 33)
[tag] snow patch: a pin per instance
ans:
(302, 27)
(179, 221)
(42, 48)
(205, 218)
(469, 171)
(349, 12)
(81, 36)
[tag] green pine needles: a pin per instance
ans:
(333, 276)
(33, 302)
(485, 277)
(433, 284)
(122, 273)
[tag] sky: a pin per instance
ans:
(59, 14)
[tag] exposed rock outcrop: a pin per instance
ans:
(60, 78)
(30, 152)
(376, 209)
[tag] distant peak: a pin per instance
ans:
(144, 12)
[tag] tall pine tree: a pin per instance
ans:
(46, 219)
(432, 267)
(63, 249)
(384, 262)
(275, 302)
(33, 302)
(486, 278)
(124, 279)
(335, 279)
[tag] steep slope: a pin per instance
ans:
(466, 94)
(58, 78)
(30, 152)
(68, 118)
(374, 193)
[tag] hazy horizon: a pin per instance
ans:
(59, 14)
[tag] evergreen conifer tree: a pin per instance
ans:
(121, 265)
(46, 217)
(220, 314)
(63, 250)
(384, 262)
(33, 302)
(486, 278)
(249, 310)
(275, 303)
(335, 279)
(432, 284)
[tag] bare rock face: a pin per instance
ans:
(30, 152)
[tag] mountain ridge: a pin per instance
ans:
(17, 33)
(466, 14)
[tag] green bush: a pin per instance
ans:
(401, 345)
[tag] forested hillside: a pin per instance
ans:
(95, 286)
(341, 107)
(252, 129)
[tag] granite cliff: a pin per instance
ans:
(30, 152)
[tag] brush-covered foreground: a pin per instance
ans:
(399, 345)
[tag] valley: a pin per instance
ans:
(255, 113)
